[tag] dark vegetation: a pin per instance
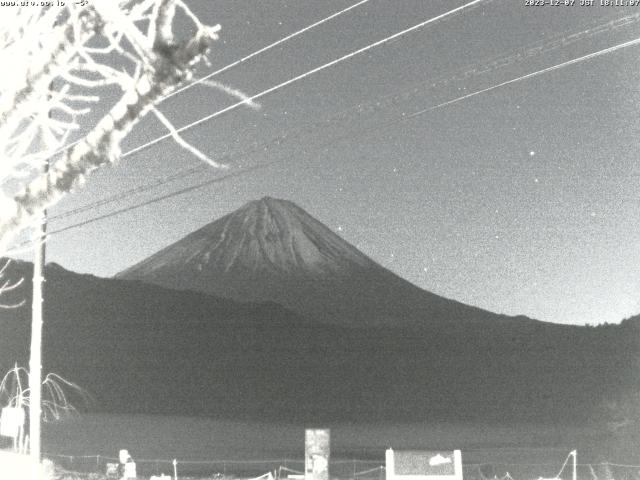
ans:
(139, 348)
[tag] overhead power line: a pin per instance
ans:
(599, 53)
(261, 94)
(351, 135)
(478, 68)
(306, 74)
(262, 50)
(132, 191)
(160, 198)
(239, 61)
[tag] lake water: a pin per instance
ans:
(255, 447)
(197, 438)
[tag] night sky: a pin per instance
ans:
(520, 200)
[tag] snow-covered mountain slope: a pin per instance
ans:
(273, 250)
(267, 235)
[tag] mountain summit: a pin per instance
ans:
(273, 250)
(267, 236)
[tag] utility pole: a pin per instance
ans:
(35, 356)
(35, 359)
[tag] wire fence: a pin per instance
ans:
(340, 469)
(524, 471)
(223, 469)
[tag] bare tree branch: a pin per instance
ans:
(8, 285)
(139, 32)
(183, 143)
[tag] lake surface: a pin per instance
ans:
(192, 438)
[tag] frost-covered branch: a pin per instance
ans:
(8, 285)
(56, 400)
(183, 143)
(234, 92)
(126, 45)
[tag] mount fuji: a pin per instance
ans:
(272, 250)
(310, 330)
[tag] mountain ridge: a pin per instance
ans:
(141, 348)
(322, 333)
(273, 250)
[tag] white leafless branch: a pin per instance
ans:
(234, 92)
(183, 143)
(56, 400)
(66, 69)
(8, 285)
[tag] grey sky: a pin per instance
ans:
(522, 200)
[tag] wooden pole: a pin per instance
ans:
(35, 360)
(35, 355)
